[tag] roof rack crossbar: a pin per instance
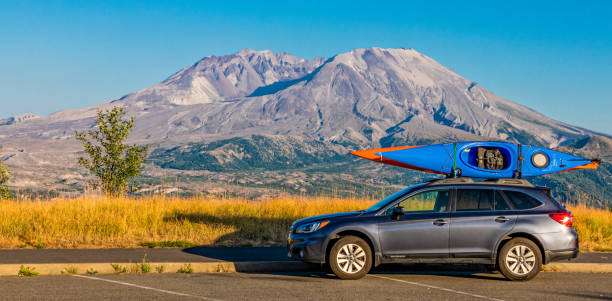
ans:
(465, 180)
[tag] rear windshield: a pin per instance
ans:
(521, 200)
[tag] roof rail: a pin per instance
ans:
(503, 181)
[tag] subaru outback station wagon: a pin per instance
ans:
(507, 224)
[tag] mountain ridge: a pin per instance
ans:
(383, 89)
(363, 98)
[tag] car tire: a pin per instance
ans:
(519, 259)
(350, 258)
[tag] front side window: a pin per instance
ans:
(384, 202)
(427, 201)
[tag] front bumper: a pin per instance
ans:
(307, 247)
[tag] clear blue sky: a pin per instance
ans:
(555, 57)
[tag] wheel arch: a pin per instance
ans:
(353, 232)
(531, 237)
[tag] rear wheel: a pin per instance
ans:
(519, 259)
(350, 258)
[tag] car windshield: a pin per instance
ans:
(382, 203)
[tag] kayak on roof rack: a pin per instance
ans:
(479, 159)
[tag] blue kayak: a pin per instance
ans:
(479, 159)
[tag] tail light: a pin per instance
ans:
(564, 218)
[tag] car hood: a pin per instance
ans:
(327, 216)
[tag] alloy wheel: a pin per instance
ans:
(520, 260)
(351, 258)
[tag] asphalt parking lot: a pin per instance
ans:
(309, 286)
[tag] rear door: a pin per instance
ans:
(422, 231)
(479, 219)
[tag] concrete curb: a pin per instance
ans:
(232, 267)
(578, 267)
(168, 267)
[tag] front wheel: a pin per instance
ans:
(350, 258)
(519, 259)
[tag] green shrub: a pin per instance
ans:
(119, 268)
(70, 270)
(144, 266)
(27, 271)
(4, 177)
(185, 269)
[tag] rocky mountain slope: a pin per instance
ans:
(243, 110)
(585, 186)
(366, 96)
(591, 147)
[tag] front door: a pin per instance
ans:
(423, 230)
(481, 217)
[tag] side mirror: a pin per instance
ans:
(397, 212)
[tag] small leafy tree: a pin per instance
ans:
(4, 177)
(111, 160)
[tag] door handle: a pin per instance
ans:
(440, 222)
(501, 219)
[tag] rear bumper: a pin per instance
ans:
(560, 255)
(562, 245)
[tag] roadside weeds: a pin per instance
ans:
(219, 267)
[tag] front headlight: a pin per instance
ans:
(311, 227)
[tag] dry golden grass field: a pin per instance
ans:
(92, 222)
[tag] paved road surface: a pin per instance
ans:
(309, 286)
(197, 254)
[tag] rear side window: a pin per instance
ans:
(474, 199)
(480, 200)
(500, 202)
(521, 200)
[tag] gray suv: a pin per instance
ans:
(507, 224)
